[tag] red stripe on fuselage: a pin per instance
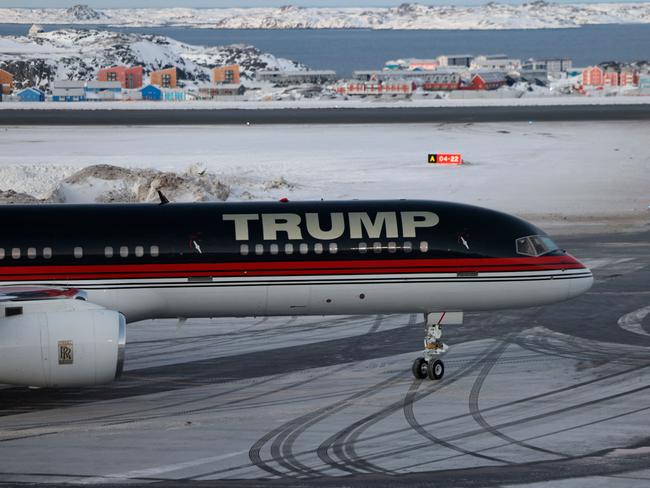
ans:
(288, 268)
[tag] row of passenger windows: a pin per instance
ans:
(78, 252)
(331, 248)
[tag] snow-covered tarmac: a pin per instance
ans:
(596, 174)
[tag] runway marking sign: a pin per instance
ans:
(445, 158)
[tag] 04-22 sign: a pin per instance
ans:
(445, 158)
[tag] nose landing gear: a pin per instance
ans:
(430, 365)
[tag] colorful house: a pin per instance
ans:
(228, 75)
(31, 95)
(165, 78)
(6, 82)
(128, 77)
(172, 95)
(593, 76)
(487, 81)
(644, 81)
(151, 92)
(68, 91)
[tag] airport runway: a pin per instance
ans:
(12, 117)
(555, 395)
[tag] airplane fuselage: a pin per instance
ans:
(302, 258)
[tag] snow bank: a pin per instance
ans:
(105, 183)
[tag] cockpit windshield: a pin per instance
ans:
(535, 245)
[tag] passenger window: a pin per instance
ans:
(47, 252)
(31, 252)
(376, 247)
(304, 248)
(243, 250)
(407, 246)
(288, 248)
(15, 253)
(392, 247)
(124, 251)
(363, 248)
(334, 248)
(78, 252)
(139, 251)
(108, 252)
(424, 246)
(274, 249)
(259, 249)
(318, 248)
(154, 251)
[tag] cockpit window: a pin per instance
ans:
(535, 245)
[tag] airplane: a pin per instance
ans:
(72, 276)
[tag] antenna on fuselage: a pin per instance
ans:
(163, 198)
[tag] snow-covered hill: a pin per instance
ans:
(79, 54)
(535, 15)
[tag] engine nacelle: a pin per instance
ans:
(60, 343)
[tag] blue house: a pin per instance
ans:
(31, 95)
(151, 92)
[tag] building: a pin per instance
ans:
(628, 76)
(297, 77)
(442, 80)
(224, 90)
(422, 64)
(464, 60)
(103, 90)
(417, 77)
(228, 75)
(593, 76)
(375, 88)
(495, 62)
(31, 95)
(152, 93)
(487, 81)
(558, 65)
(644, 81)
(68, 91)
(128, 77)
(173, 95)
(6, 82)
(610, 77)
(165, 78)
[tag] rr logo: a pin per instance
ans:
(66, 350)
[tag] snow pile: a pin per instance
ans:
(104, 183)
(79, 54)
(534, 15)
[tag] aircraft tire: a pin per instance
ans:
(436, 370)
(419, 368)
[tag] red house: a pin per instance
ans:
(593, 76)
(129, 77)
(487, 81)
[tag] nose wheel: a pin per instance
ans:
(430, 365)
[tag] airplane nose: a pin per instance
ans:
(582, 284)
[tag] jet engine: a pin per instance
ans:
(60, 343)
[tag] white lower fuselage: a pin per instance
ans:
(205, 296)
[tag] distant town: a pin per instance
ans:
(445, 76)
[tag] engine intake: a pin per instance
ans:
(60, 343)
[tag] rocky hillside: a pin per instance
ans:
(537, 14)
(79, 54)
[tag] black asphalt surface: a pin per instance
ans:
(11, 117)
(618, 290)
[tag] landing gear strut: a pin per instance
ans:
(429, 365)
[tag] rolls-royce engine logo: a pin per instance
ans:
(66, 350)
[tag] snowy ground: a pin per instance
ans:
(334, 103)
(595, 174)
